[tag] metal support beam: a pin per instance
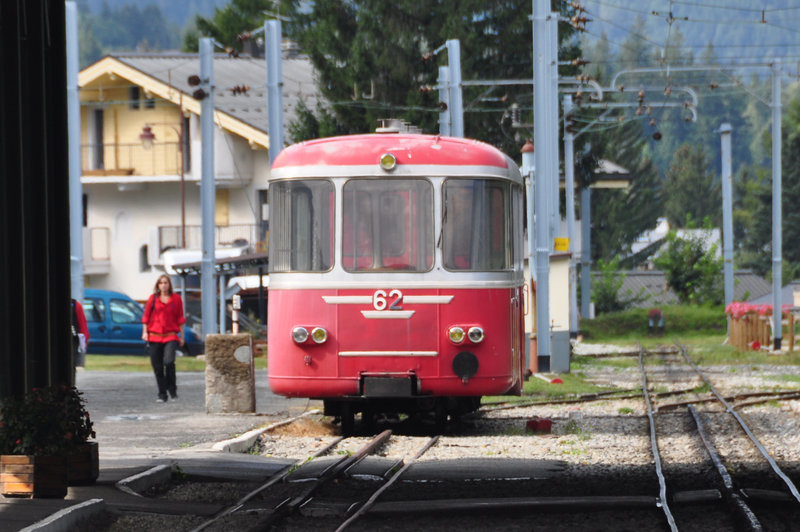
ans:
(207, 188)
(444, 101)
(569, 184)
(727, 212)
(272, 34)
(456, 101)
(586, 252)
(543, 100)
(777, 250)
(74, 147)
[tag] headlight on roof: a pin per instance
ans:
(388, 162)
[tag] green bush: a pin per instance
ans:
(678, 320)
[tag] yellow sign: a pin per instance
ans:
(561, 244)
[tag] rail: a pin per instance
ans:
(730, 409)
(654, 446)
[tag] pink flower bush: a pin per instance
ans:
(738, 309)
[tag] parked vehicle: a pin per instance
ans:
(115, 325)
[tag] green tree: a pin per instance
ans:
(375, 60)
(752, 220)
(607, 283)
(232, 21)
(691, 189)
(693, 269)
(124, 29)
(619, 216)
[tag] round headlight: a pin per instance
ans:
(319, 335)
(456, 335)
(475, 335)
(388, 162)
(300, 335)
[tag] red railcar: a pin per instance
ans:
(396, 276)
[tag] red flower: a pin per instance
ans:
(68, 436)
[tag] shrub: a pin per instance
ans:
(45, 421)
(684, 319)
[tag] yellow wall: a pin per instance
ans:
(122, 127)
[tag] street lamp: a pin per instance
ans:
(148, 137)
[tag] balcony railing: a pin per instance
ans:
(169, 236)
(164, 158)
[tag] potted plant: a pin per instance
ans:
(39, 433)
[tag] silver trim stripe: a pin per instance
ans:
(347, 300)
(388, 314)
(427, 300)
(355, 300)
(388, 353)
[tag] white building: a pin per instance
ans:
(141, 160)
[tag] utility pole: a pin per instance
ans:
(528, 171)
(586, 252)
(207, 187)
(727, 212)
(444, 101)
(569, 194)
(543, 101)
(456, 106)
(74, 149)
(272, 40)
(777, 250)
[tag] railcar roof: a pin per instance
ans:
(408, 149)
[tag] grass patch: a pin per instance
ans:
(632, 325)
(786, 378)
(574, 384)
(134, 363)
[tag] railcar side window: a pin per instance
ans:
(387, 225)
(477, 229)
(301, 232)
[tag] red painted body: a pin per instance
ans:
(409, 149)
(387, 260)
(326, 374)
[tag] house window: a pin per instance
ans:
(133, 97)
(144, 266)
(96, 146)
(263, 222)
(187, 144)
(150, 102)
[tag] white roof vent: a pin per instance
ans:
(395, 125)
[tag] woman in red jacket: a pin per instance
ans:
(162, 328)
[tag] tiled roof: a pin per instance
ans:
(787, 295)
(175, 68)
(747, 287)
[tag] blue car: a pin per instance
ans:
(115, 325)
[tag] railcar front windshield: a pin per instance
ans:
(301, 236)
(476, 225)
(387, 225)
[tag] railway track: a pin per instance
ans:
(314, 479)
(738, 499)
(361, 483)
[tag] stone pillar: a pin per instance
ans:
(230, 374)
